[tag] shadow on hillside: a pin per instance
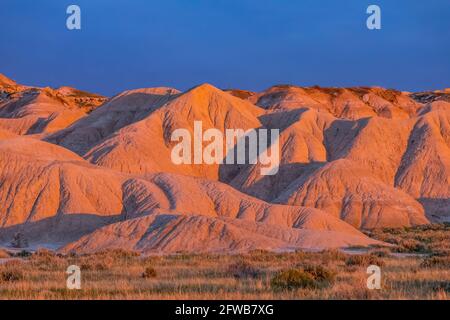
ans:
(286, 118)
(57, 230)
(270, 187)
(340, 136)
(234, 174)
(436, 209)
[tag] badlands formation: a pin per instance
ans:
(29, 110)
(83, 173)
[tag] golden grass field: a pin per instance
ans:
(416, 267)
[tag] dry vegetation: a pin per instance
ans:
(418, 267)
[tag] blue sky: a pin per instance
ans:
(248, 44)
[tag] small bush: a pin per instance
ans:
(413, 246)
(436, 262)
(308, 277)
(11, 275)
(149, 272)
(364, 260)
(22, 254)
(381, 253)
(243, 269)
(97, 263)
(445, 252)
(321, 274)
(292, 279)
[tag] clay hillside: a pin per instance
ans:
(84, 173)
(29, 110)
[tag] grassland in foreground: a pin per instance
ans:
(416, 267)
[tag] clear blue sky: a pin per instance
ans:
(248, 44)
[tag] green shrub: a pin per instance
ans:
(308, 277)
(292, 279)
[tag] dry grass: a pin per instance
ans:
(242, 269)
(335, 275)
(428, 239)
(364, 260)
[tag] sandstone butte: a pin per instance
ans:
(83, 173)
